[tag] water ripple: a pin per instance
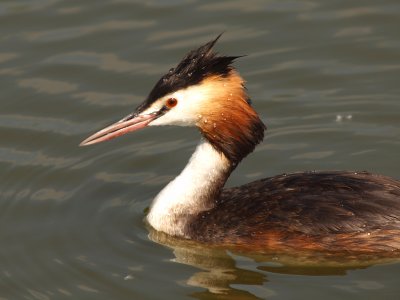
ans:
(48, 86)
(341, 14)
(24, 6)
(258, 5)
(6, 56)
(136, 177)
(185, 33)
(239, 33)
(106, 62)
(33, 158)
(105, 99)
(79, 31)
(354, 31)
(46, 194)
(44, 124)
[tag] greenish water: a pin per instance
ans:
(324, 76)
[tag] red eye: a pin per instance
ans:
(171, 102)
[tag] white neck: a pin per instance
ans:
(192, 192)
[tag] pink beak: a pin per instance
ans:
(127, 124)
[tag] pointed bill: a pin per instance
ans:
(127, 124)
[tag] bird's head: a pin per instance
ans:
(203, 90)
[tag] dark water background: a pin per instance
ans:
(324, 76)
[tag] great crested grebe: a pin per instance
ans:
(321, 211)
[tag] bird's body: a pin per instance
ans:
(321, 211)
(324, 211)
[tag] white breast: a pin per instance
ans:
(188, 194)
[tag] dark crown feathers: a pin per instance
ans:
(197, 65)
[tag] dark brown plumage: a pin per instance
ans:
(325, 211)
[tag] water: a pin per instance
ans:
(324, 76)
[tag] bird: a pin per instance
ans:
(324, 211)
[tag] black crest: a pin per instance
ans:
(194, 67)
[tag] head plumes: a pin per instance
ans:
(205, 91)
(197, 65)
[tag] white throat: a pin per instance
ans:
(192, 192)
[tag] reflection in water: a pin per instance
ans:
(236, 275)
(218, 270)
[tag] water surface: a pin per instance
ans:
(324, 76)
